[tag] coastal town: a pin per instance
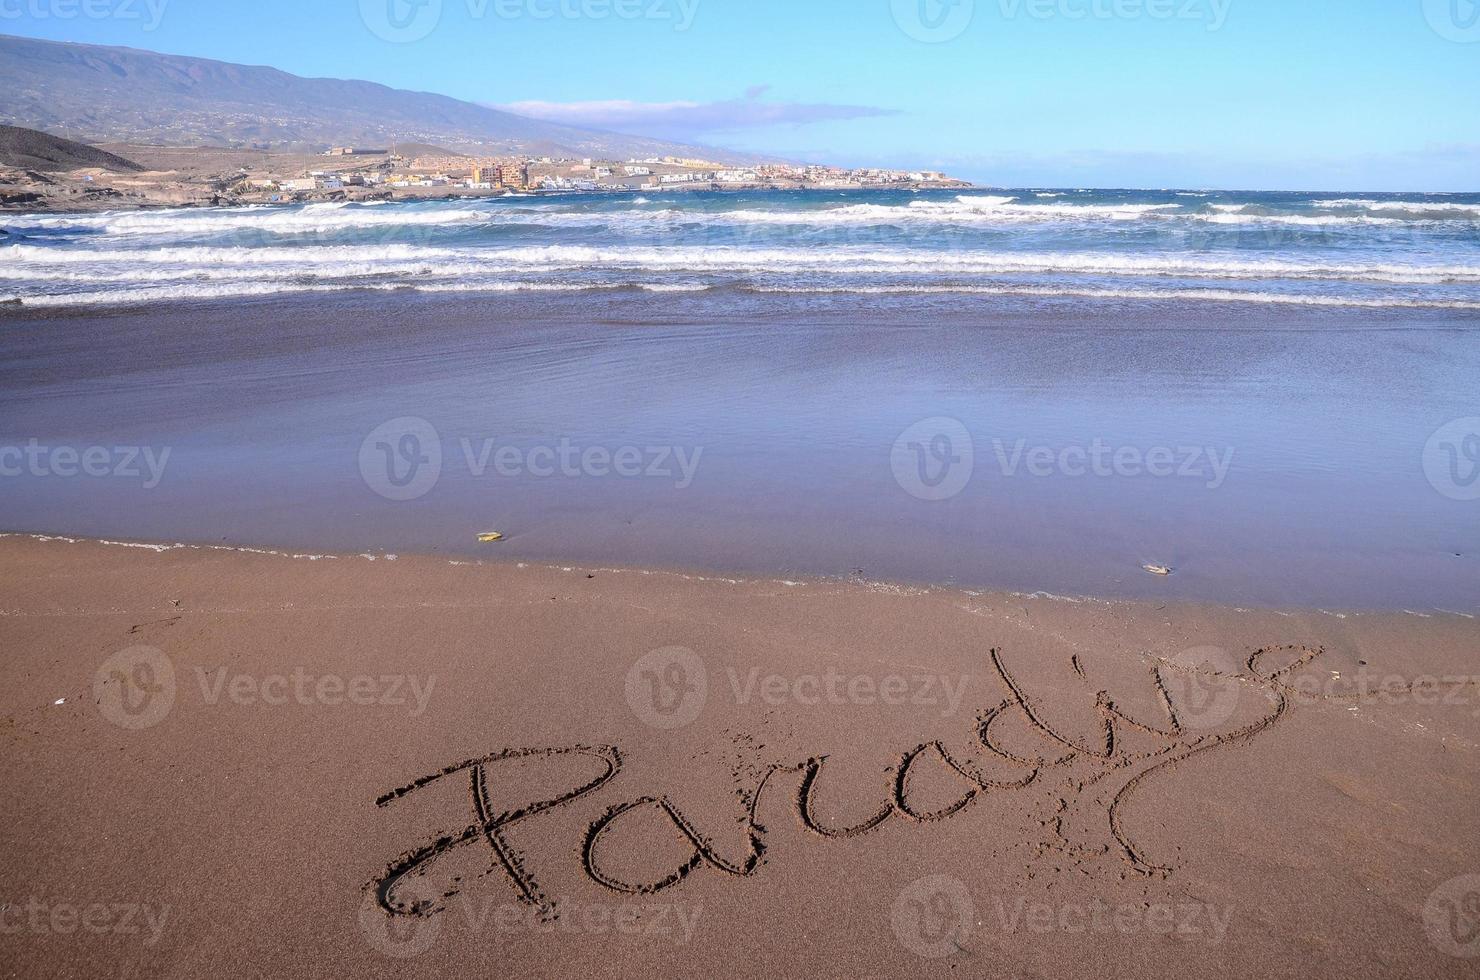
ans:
(354, 172)
(71, 176)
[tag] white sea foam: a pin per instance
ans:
(1213, 295)
(966, 209)
(1241, 217)
(204, 255)
(984, 210)
(204, 292)
(214, 292)
(312, 218)
(1367, 204)
(1251, 214)
(722, 258)
(159, 294)
(241, 290)
(184, 262)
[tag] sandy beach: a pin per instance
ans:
(312, 765)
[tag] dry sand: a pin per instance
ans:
(222, 763)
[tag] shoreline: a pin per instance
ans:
(722, 576)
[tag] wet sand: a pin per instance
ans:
(226, 763)
(1272, 457)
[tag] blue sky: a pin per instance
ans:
(1311, 94)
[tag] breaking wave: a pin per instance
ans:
(1377, 251)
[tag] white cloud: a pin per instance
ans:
(685, 120)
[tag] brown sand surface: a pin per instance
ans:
(221, 763)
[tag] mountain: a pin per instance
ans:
(29, 150)
(123, 95)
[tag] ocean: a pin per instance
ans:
(1334, 249)
(1273, 396)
